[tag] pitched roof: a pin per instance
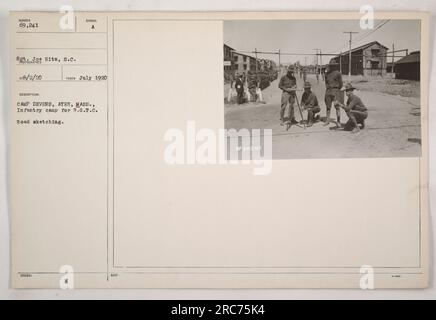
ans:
(364, 47)
(413, 57)
(243, 54)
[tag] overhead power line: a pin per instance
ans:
(372, 31)
(285, 53)
(364, 35)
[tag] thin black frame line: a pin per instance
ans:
(223, 273)
(59, 48)
(60, 32)
(257, 267)
(59, 273)
(113, 162)
(60, 64)
(113, 144)
(420, 220)
(420, 157)
(78, 81)
(107, 151)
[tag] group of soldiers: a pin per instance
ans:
(251, 82)
(334, 96)
(302, 71)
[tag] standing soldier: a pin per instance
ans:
(333, 85)
(304, 74)
(309, 102)
(244, 77)
(232, 80)
(239, 86)
(252, 85)
(355, 110)
(288, 85)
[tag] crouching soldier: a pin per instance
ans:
(309, 102)
(355, 110)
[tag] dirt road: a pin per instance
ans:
(392, 128)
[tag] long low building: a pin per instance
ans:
(408, 67)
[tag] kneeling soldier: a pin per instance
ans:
(309, 102)
(355, 110)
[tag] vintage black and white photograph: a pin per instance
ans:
(326, 88)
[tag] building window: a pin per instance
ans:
(245, 66)
(374, 65)
(375, 52)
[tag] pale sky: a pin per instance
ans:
(303, 36)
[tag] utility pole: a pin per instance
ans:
(340, 62)
(317, 67)
(317, 55)
(280, 69)
(320, 60)
(255, 53)
(349, 55)
(393, 61)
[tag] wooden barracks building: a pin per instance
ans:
(408, 67)
(368, 60)
(239, 62)
(242, 63)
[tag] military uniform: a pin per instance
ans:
(239, 86)
(304, 74)
(333, 85)
(356, 112)
(287, 82)
(252, 86)
(309, 101)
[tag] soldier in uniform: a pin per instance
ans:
(239, 86)
(333, 85)
(309, 102)
(355, 110)
(288, 85)
(252, 85)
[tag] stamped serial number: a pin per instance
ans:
(239, 309)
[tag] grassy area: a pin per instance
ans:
(404, 88)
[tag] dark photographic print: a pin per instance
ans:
(326, 88)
